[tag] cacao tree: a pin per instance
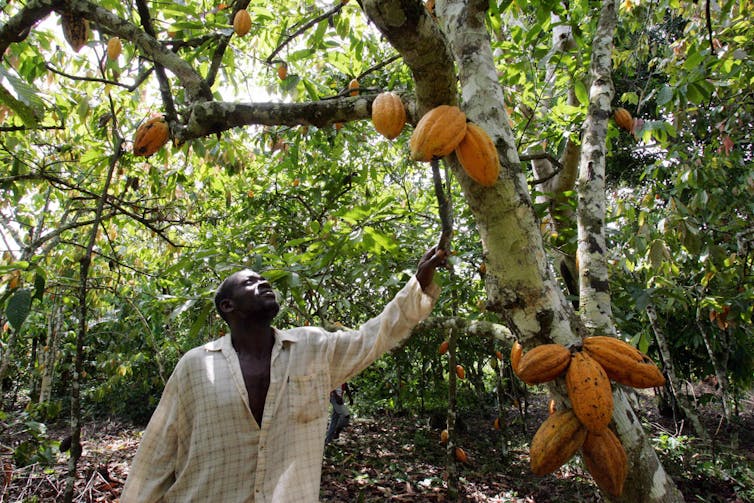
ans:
(266, 129)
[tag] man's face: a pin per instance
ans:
(252, 295)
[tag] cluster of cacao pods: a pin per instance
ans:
(588, 371)
(443, 130)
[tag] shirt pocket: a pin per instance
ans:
(307, 398)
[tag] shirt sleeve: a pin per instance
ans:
(152, 471)
(354, 350)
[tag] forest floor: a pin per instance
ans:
(394, 457)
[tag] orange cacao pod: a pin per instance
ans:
(444, 436)
(623, 118)
(437, 133)
(590, 391)
(151, 135)
(443, 347)
(556, 441)
(461, 455)
(242, 22)
(517, 350)
(605, 458)
(478, 156)
(282, 71)
(114, 48)
(551, 407)
(624, 363)
(543, 363)
(354, 87)
(75, 30)
(388, 115)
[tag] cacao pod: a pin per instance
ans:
(605, 458)
(354, 87)
(388, 115)
(151, 136)
(589, 391)
(623, 118)
(623, 363)
(444, 436)
(242, 22)
(478, 156)
(443, 347)
(551, 407)
(498, 355)
(75, 30)
(555, 442)
(543, 363)
(517, 350)
(282, 71)
(496, 423)
(437, 133)
(114, 48)
(460, 372)
(461, 455)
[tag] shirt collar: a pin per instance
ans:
(284, 337)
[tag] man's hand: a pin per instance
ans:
(431, 260)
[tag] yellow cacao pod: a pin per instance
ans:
(605, 458)
(114, 48)
(623, 118)
(437, 133)
(444, 437)
(151, 136)
(517, 350)
(75, 30)
(478, 156)
(623, 363)
(388, 115)
(242, 22)
(555, 442)
(589, 391)
(543, 363)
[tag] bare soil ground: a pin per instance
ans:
(399, 458)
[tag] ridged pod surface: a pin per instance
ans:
(388, 115)
(589, 391)
(605, 458)
(623, 363)
(623, 118)
(151, 135)
(75, 30)
(556, 441)
(478, 156)
(543, 363)
(437, 133)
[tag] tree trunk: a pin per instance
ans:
(453, 492)
(720, 374)
(84, 265)
(49, 355)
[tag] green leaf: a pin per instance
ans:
(18, 308)
(581, 93)
(664, 95)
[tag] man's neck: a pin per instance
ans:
(253, 339)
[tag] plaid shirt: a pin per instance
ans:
(203, 443)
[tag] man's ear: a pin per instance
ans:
(226, 305)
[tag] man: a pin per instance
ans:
(241, 418)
